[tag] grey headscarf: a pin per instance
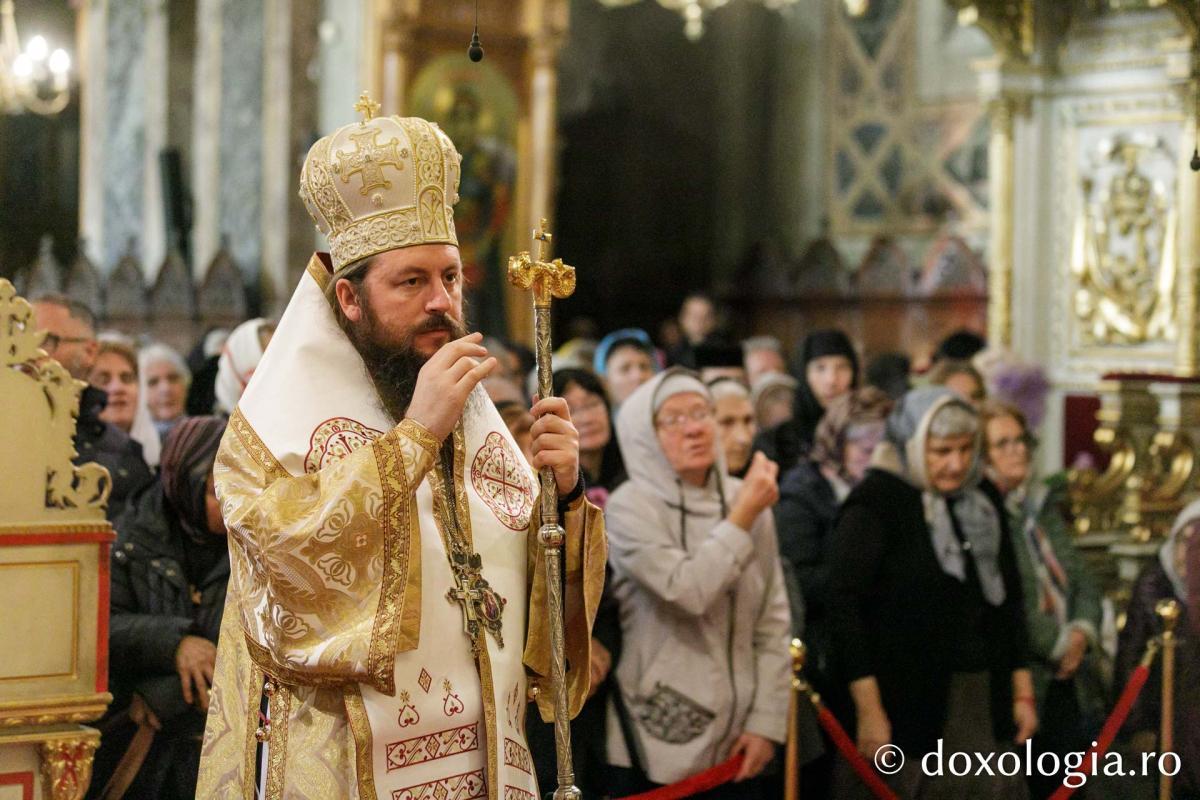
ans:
(903, 453)
(645, 461)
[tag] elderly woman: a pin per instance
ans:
(735, 423)
(165, 379)
(703, 673)
(1174, 575)
(925, 603)
(170, 568)
(1062, 600)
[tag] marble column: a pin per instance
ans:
(154, 67)
(278, 182)
(123, 138)
(206, 114)
(93, 59)
(240, 132)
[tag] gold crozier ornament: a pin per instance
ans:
(549, 280)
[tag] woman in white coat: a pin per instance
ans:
(704, 614)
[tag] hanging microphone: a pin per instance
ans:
(475, 50)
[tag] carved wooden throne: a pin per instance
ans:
(54, 578)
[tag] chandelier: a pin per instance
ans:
(695, 12)
(34, 79)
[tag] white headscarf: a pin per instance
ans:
(1166, 553)
(239, 358)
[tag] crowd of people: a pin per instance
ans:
(893, 521)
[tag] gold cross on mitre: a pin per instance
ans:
(368, 158)
(367, 107)
(547, 279)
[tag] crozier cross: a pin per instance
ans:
(547, 279)
(368, 160)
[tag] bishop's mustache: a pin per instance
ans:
(438, 322)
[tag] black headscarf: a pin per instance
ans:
(185, 464)
(788, 441)
(807, 409)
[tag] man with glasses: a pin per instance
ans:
(70, 328)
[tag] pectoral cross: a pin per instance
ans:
(368, 160)
(479, 601)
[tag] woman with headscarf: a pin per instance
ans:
(625, 359)
(703, 673)
(736, 426)
(239, 358)
(773, 396)
(809, 496)
(1062, 600)
(170, 567)
(164, 381)
(925, 604)
(828, 368)
(1173, 575)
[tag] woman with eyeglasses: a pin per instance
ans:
(703, 673)
(1062, 600)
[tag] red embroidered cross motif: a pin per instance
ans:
(334, 439)
(502, 482)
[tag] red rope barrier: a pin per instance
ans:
(700, 782)
(1113, 724)
(849, 752)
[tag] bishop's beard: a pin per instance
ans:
(392, 363)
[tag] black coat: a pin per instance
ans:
(804, 519)
(896, 615)
(98, 441)
(152, 610)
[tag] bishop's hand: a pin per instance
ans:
(446, 381)
(555, 442)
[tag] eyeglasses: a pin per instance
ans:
(677, 421)
(53, 340)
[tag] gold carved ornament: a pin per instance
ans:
(67, 767)
(67, 486)
(1096, 496)
(1123, 255)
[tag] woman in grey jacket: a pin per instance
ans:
(704, 613)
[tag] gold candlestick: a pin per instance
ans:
(549, 280)
(1168, 611)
